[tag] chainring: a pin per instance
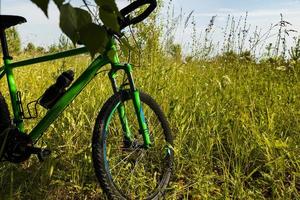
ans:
(16, 147)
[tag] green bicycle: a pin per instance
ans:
(132, 143)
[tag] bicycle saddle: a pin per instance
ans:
(7, 21)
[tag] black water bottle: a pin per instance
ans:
(55, 91)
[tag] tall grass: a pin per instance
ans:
(235, 121)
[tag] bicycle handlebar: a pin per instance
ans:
(126, 21)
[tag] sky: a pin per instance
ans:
(43, 31)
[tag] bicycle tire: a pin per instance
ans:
(4, 114)
(105, 170)
(4, 122)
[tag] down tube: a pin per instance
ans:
(66, 99)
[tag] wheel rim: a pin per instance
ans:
(136, 172)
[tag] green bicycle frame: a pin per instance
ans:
(78, 85)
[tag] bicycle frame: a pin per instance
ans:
(78, 85)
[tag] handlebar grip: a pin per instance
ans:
(132, 7)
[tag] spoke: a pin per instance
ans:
(134, 167)
(132, 171)
(123, 159)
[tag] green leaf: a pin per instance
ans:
(77, 24)
(94, 37)
(109, 5)
(109, 13)
(42, 4)
(72, 20)
(59, 3)
(68, 22)
(109, 19)
(83, 18)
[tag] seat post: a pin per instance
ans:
(4, 45)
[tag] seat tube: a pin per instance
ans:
(13, 95)
(138, 108)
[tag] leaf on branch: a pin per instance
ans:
(72, 20)
(109, 13)
(68, 22)
(109, 19)
(42, 4)
(83, 17)
(59, 3)
(94, 37)
(109, 5)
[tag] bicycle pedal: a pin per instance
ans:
(43, 154)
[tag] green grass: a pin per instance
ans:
(236, 128)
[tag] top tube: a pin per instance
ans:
(41, 59)
(68, 53)
(63, 54)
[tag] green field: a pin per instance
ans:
(235, 119)
(236, 127)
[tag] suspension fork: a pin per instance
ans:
(121, 109)
(136, 102)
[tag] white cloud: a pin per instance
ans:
(291, 3)
(259, 17)
(225, 10)
(253, 13)
(274, 12)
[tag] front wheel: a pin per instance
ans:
(132, 171)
